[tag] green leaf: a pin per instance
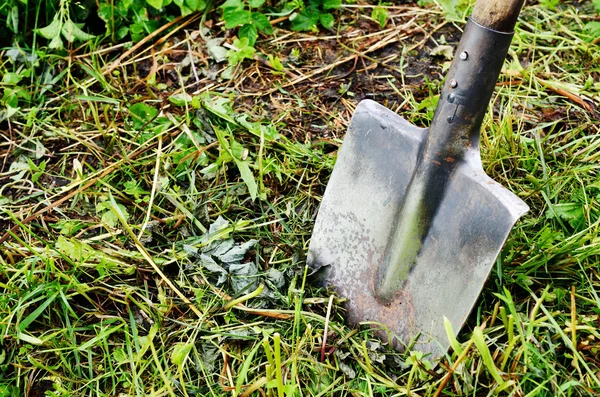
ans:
(12, 19)
(593, 28)
(180, 99)
(256, 3)
(241, 51)
(185, 10)
(8, 390)
(596, 4)
(180, 353)
(488, 361)
(137, 32)
(110, 217)
(262, 23)
(306, 19)
(51, 31)
(30, 339)
(247, 177)
(196, 5)
(221, 107)
(36, 171)
(550, 4)
(415, 358)
(595, 185)
(327, 20)
(275, 62)
(451, 10)
(122, 32)
(232, 148)
(68, 228)
(381, 15)
(429, 104)
(81, 252)
(23, 324)
(10, 111)
(74, 249)
(142, 114)
(71, 32)
(235, 18)
(331, 4)
(237, 150)
(235, 4)
(133, 188)
(451, 337)
(249, 31)
(56, 43)
(243, 374)
(11, 78)
(120, 356)
(105, 12)
(570, 212)
(158, 4)
(10, 99)
(124, 6)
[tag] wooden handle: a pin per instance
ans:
(499, 15)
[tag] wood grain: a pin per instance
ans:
(500, 15)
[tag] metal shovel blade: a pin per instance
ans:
(356, 218)
(410, 225)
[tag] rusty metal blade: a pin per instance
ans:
(357, 214)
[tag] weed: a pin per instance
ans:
(236, 13)
(63, 27)
(314, 13)
(381, 15)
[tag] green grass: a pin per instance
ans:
(128, 266)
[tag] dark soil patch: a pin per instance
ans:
(40, 387)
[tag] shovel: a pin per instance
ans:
(410, 225)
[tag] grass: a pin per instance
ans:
(154, 241)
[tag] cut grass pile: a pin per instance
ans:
(155, 217)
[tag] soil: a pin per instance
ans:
(40, 387)
(312, 108)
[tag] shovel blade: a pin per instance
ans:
(373, 170)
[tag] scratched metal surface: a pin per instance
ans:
(356, 216)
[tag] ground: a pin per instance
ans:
(156, 215)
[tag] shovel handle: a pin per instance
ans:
(498, 15)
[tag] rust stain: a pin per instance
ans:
(397, 316)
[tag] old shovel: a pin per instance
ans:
(410, 225)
